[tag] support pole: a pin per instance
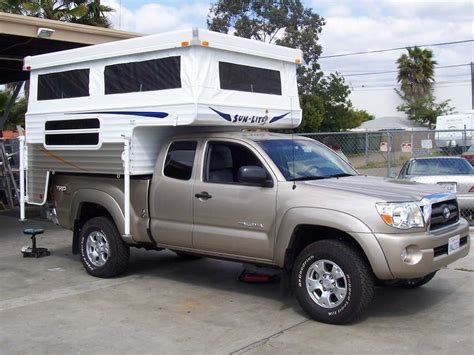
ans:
(126, 189)
(22, 177)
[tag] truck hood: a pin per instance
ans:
(385, 189)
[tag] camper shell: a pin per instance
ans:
(86, 104)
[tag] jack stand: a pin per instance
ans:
(33, 251)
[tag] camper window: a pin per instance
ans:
(63, 85)
(60, 132)
(245, 78)
(150, 75)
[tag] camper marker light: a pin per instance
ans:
(184, 43)
(205, 43)
(403, 215)
(298, 60)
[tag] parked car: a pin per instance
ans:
(469, 155)
(455, 174)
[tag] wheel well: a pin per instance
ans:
(86, 211)
(303, 235)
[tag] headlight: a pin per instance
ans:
(401, 215)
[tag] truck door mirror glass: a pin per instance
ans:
(254, 175)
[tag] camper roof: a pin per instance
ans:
(163, 41)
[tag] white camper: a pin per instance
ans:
(91, 107)
(455, 130)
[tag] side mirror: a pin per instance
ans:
(254, 175)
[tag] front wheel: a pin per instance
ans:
(103, 252)
(332, 282)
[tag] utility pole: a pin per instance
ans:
(472, 85)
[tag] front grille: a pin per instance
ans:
(438, 219)
(443, 249)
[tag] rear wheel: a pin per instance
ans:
(103, 252)
(420, 281)
(332, 282)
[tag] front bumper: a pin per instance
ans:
(429, 250)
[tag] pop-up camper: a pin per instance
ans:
(91, 107)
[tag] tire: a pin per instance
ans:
(186, 256)
(420, 281)
(347, 282)
(103, 252)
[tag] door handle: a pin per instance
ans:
(203, 195)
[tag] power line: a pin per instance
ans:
(395, 49)
(396, 71)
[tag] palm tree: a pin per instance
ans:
(95, 15)
(416, 72)
(87, 12)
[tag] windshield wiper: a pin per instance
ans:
(339, 175)
(305, 178)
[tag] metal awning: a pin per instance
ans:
(19, 37)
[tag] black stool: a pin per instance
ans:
(33, 251)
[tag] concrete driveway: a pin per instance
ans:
(167, 305)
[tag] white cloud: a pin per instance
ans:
(154, 17)
(375, 24)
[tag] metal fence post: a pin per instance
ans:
(366, 147)
(464, 140)
(389, 154)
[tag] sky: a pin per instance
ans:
(351, 26)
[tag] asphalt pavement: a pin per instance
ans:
(166, 305)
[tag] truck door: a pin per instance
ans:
(231, 217)
(171, 195)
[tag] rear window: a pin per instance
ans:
(439, 167)
(149, 75)
(245, 78)
(180, 160)
(63, 85)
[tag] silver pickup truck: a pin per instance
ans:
(271, 200)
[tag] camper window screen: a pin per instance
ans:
(63, 85)
(244, 78)
(150, 75)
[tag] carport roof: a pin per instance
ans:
(18, 39)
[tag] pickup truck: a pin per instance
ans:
(272, 200)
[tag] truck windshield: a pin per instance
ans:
(305, 160)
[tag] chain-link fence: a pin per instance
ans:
(436, 157)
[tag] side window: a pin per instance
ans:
(251, 79)
(224, 161)
(80, 132)
(180, 160)
(63, 85)
(149, 75)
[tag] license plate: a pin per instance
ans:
(453, 244)
(449, 186)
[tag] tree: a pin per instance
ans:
(416, 79)
(416, 72)
(282, 22)
(85, 12)
(17, 113)
(325, 101)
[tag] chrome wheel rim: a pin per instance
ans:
(326, 283)
(97, 248)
